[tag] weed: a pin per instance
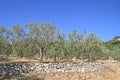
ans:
(43, 74)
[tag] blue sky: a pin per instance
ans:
(101, 17)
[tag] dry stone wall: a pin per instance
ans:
(9, 69)
(67, 67)
(16, 68)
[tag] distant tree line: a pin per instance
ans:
(38, 39)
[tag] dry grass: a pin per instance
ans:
(19, 60)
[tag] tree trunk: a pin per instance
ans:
(21, 54)
(55, 57)
(82, 56)
(41, 54)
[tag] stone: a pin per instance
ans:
(64, 67)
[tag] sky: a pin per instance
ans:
(101, 17)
